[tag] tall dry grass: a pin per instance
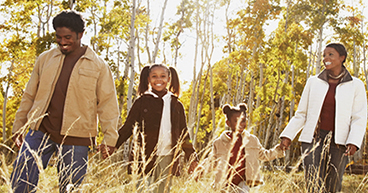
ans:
(110, 175)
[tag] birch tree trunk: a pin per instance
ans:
(310, 62)
(260, 84)
(319, 54)
(355, 65)
(146, 33)
(281, 114)
(359, 155)
(212, 104)
(177, 46)
(320, 39)
(258, 102)
(200, 109)
(203, 61)
(229, 45)
(132, 74)
(209, 57)
(131, 57)
(207, 51)
(292, 103)
(364, 59)
(240, 87)
(158, 38)
(237, 80)
(138, 52)
(291, 113)
(250, 101)
(272, 114)
(117, 76)
(47, 12)
(269, 126)
(228, 83)
(313, 62)
(251, 90)
(6, 100)
(192, 111)
(95, 24)
(195, 104)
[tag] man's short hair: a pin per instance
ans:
(69, 19)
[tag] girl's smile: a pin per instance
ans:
(158, 78)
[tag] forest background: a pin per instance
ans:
(260, 52)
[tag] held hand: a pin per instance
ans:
(285, 143)
(106, 150)
(350, 150)
(192, 167)
(18, 139)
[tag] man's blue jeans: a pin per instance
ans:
(35, 154)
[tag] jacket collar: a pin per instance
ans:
(168, 94)
(324, 75)
(225, 137)
(90, 54)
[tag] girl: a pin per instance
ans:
(161, 117)
(245, 153)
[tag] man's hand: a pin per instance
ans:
(350, 150)
(285, 143)
(18, 139)
(106, 150)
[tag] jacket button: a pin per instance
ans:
(145, 110)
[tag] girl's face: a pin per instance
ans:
(158, 78)
(234, 124)
(332, 59)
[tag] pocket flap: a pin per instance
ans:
(89, 73)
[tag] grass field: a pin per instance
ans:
(110, 176)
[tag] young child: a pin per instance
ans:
(238, 152)
(161, 117)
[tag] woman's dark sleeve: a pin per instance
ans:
(126, 130)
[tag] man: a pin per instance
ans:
(69, 88)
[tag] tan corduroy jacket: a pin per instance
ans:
(91, 93)
(254, 152)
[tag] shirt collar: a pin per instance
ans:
(89, 54)
(324, 75)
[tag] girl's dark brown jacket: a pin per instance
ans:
(146, 112)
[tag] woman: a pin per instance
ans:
(333, 114)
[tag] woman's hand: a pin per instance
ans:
(192, 166)
(105, 150)
(350, 150)
(285, 143)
